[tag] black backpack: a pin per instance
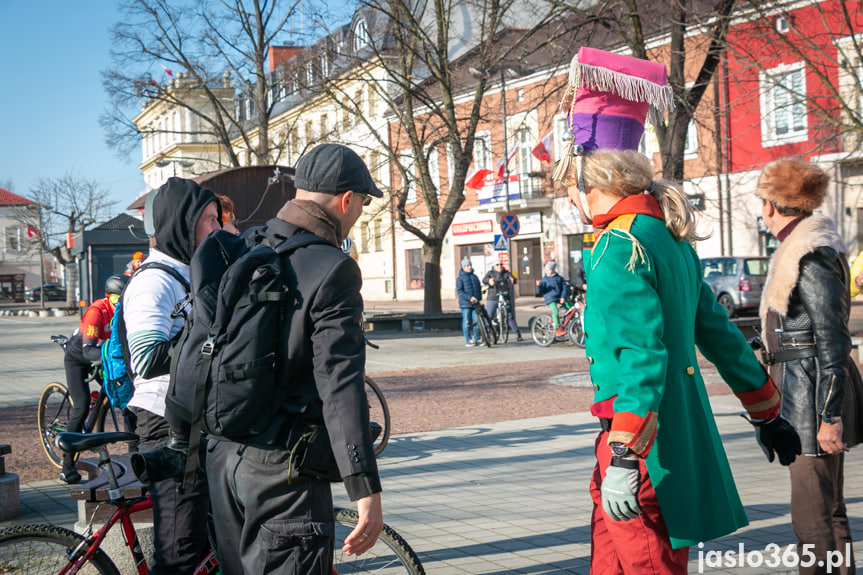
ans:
(226, 370)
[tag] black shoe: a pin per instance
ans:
(519, 338)
(70, 476)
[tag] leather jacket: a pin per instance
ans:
(805, 329)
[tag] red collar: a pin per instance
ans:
(789, 227)
(634, 204)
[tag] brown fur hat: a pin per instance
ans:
(793, 183)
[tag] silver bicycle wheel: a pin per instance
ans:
(390, 555)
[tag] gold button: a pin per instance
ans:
(590, 360)
(690, 370)
(595, 387)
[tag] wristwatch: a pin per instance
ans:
(619, 449)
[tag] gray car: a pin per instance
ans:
(736, 281)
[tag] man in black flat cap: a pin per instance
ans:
(268, 518)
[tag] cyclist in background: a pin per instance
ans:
(554, 290)
(83, 350)
(501, 280)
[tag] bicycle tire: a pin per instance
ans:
(379, 412)
(542, 330)
(503, 322)
(52, 416)
(44, 549)
(390, 555)
(485, 330)
(576, 329)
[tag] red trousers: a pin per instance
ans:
(639, 546)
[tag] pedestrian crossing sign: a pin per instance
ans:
(501, 243)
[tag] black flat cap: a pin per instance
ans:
(334, 169)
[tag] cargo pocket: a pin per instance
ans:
(299, 546)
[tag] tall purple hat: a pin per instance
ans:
(608, 99)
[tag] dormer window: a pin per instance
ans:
(324, 65)
(361, 35)
(782, 25)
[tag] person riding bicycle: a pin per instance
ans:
(82, 351)
(501, 280)
(554, 290)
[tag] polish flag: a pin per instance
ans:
(500, 163)
(542, 150)
(477, 180)
(167, 71)
(32, 232)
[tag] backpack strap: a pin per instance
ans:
(283, 246)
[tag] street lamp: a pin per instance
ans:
(173, 163)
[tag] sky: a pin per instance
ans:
(51, 96)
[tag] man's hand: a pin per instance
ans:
(830, 437)
(562, 301)
(620, 493)
(472, 299)
(777, 434)
(491, 281)
(369, 526)
(859, 280)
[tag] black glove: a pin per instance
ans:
(777, 434)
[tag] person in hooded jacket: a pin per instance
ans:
(469, 292)
(181, 215)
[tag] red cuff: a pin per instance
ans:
(762, 403)
(634, 431)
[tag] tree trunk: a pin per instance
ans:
(432, 286)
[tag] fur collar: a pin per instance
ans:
(813, 232)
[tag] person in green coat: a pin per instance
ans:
(662, 480)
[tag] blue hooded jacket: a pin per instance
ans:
(466, 286)
(553, 288)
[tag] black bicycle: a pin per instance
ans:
(486, 331)
(500, 321)
(55, 405)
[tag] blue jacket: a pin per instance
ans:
(466, 286)
(553, 288)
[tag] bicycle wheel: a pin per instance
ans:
(389, 556)
(576, 329)
(379, 412)
(52, 417)
(542, 330)
(503, 322)
(486, 332)
(44, 549)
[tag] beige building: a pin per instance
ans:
(19, 258)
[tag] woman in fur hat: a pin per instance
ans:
(804, 317)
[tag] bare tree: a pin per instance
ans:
(216, 53)
(68, 204)
(414, 58)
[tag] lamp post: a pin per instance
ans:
(173, 163)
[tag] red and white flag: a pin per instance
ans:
(167, 71)
(32, 232)
(542, 150)
(501, 164)
(477, 179)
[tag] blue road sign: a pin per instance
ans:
(509, 225)
(501, 243)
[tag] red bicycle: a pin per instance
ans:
(46, 549)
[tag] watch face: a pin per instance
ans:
(619, 448)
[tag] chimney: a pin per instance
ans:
(278, 55)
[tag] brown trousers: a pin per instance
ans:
(818, 514)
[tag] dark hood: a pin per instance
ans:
(177, 207)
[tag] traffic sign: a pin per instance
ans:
(509, 225)
(501, 243)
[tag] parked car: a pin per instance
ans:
(53, 292)
(736, 281)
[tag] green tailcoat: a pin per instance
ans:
(647, 309)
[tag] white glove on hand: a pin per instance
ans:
(620, 493)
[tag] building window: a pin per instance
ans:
(361, 35)
(310, 136)
(482, 159)
(376, 235)
(324, 64)
(782, 25)
(408, 185)
(560, 128)
(415, 269)
(13, 239)
(525, 145)
(310, 73)
(434, 168)
(325, 126)
(690, 148)
(364, 237)
(783, 105)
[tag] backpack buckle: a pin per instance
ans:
(209, 346)
(180, 308)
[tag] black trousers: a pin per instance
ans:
(264, 520)
(818, 515)
(77, 368)
(179, 519)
